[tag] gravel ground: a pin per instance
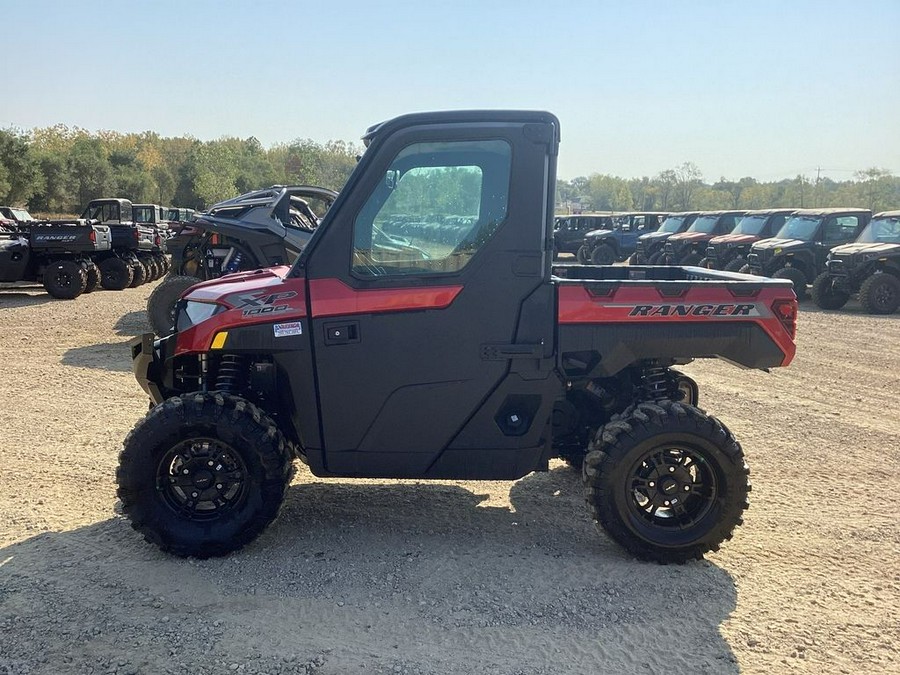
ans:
(377, 576)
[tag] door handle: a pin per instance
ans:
(341, 333)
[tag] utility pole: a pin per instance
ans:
(816, 191)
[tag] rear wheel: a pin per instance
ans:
(203, 474)
(797, 277)
(603, 255)
(93, 278)
(667, 481)
(138, 274)
(825, 295)
(161, 303)
(65, 279)
(880, 294)
(737, 265)
(115, 274)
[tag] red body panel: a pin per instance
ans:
(689, 236)
(266, 296)
(642, 304)
(734, 239)
(332, 297)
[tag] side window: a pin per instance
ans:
(728, 223)
(841, 228)
(438, 205)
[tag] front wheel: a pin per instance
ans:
(161, 303)
(797, 277)
(667, 482)
(825, 295)
(880, 294)
(603, 255)
(583, 255)
(656, 259)
(736, 265)
(203, 474)
(692, 260)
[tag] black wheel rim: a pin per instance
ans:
(672, 487)
(884, 296)
(202, 479)
(63, 279)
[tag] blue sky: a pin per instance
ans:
(768, 89)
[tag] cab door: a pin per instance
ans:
(429, 294)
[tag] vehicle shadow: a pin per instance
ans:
(23, 296)
(133, 324)
(361, 577)
(110, 356)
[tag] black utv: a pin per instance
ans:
(56, 253)
(121, 267)
(606, 246)
(869, 266)
(263, 228)
(729, 251)
(155, 216)
(649, 249)
(799, 250)
(569, 231)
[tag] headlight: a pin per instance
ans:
(777, 251)
(190, 313)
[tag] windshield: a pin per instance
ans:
(706, 224)
(671, 224)
(750, 225)
(881, 231)
(21, 214)
(800, 227)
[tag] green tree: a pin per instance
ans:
(20, 175)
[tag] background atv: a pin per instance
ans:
(569, 231)
(604, 247)
(870, 266)
(649, 247)
(689, 247)
(799, 251)
(55, 253)
(729, 251)
(121, 266)
(258, 229)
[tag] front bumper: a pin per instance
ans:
(147, 363)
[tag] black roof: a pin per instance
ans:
(462, 116)
(829, 211)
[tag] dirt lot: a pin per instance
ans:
(450, 577)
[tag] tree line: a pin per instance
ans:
(683, 189)
(59, 169)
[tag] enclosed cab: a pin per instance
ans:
(689, 247)
(121, 267)
(729, 251)
(569, 231)
(11, 214)
(800, 248)
(604, 247)
(870, 266)
(649, 249)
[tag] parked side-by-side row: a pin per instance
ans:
(806, 246)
